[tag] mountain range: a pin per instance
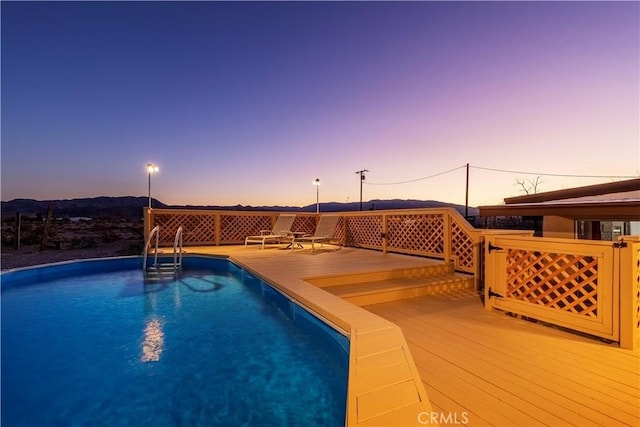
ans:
(131, 207)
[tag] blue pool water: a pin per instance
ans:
(217, 346)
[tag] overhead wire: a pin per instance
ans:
(554, 174)
(503, 171)
(416, 179)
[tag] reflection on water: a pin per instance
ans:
(153, 341)
(177, 297)
(201, 284)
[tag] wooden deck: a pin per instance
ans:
(505, 371)
(479, 367)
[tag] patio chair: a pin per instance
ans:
(325, 232)
(281, 231)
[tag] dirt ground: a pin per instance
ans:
(31, 255)
(69, 240)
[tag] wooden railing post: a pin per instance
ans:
(385, 233)
(478, 263)
(216, 229)
(148, 221)
(628, 283)
(447, 238)
(488, 269)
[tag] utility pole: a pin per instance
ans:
(362, 177)
(466, 197)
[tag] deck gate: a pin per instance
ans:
(565, 282)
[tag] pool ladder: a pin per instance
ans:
(157, 272)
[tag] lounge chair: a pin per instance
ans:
(325, 232)
(281, 231)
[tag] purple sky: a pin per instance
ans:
(248, 103)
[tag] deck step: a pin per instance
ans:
(377, 292)
(391, 285)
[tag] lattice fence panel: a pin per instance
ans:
(560, 281)
(462, 246)
(364, 230)
(235, 228)
(418, 233)
(304, 224)
(195, 228)
(340, 230)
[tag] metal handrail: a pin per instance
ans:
(177, 255)
(156, 232)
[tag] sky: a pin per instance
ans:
(247, 103)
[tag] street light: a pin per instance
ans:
(151, 168)
(317, 184)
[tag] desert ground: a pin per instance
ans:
(32, 255)
(68, 240)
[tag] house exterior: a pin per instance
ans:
(594, 212)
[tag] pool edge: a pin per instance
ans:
(384, 386)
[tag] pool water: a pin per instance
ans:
(213, 347)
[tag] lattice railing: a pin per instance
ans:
(197, 228)
(560, 281)
(341, 231)
(440, 233)
(235, 228)
(364, 231)
(304, 224)
(417, 233)
(462, 247)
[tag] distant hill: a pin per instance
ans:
(378, 204)
(131, 207)
(94, 207)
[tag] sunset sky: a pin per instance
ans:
(249, 102)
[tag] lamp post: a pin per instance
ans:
(151, 168)
(317, 184)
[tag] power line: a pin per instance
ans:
(417, 179)
(502, 171)
(554, 174)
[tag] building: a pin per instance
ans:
(595, 212)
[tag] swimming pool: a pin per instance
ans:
(87, 343)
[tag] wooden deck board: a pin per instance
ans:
(574, 377)
(555, 376)
(528, 392)
(496, 369)
(444, 404)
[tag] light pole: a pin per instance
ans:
(151, 168)
(317, 184)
